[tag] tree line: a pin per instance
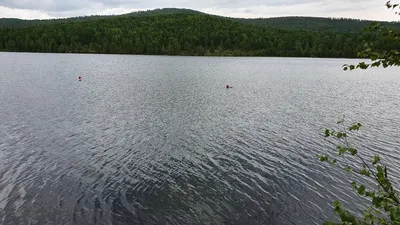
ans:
(181, 34)
(321, 24)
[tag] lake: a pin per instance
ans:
(160, 140)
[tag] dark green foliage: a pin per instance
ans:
(319, 24)
(376, 159)
(174, 32)
(385, 204)
(355, 127)
(19, 23)
(342, 25)
(177, 34)
(384, 207)
(327, 133)
(323, 158)
(384, 52)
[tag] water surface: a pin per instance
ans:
(160, 140)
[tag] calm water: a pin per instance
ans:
(160, 140)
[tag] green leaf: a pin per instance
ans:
(370, 194)
(346, 216)
(352, 151)
(361, 190)
(376, 64)
(354, 184)
(323, 158)
(355, 127)
(380, 174)
(363, 65)
(395, 216)
(327, 133)
(337, 207)
(377, 202)
(369, 216)
(376, 159)
(380, 171)
(385, 65)
(365, 172)
(342, 150)
(382, 221)
(348, 169)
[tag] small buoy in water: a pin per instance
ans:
(80, 78)
(227, 86)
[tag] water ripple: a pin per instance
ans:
(159, 140)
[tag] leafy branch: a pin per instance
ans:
(382, 52)
(384, 207)
(395, 6)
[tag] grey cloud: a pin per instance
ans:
(65, 5)
(69, 5)
(46, 5)
(64, 8)
(241, 3)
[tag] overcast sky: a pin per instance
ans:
(43, 9)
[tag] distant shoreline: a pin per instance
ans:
(217, 56)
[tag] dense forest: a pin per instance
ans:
(18, 23)
(285, 23)
(316, 24)
(175, 33)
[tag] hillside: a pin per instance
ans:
(316, 24)
(177, 34)
(286, 23)
(18, 23)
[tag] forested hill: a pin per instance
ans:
(178, 34)
(316, 24)
(18, 23)
(286, 23)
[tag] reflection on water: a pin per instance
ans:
(160, 140)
